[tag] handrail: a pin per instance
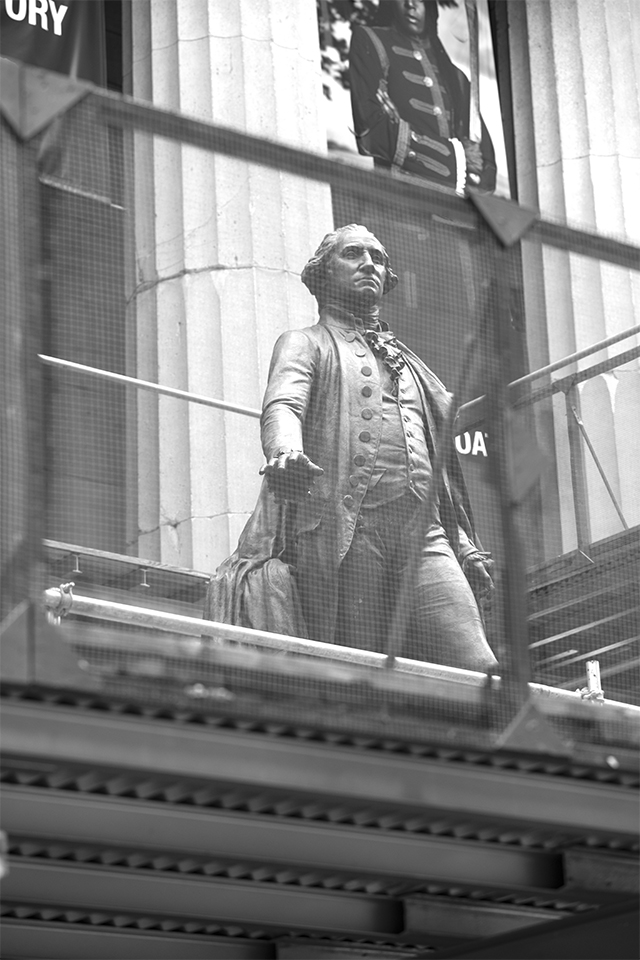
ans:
(558, 385)
(574, 357)
(253, 412)
(61, 601)
(563, 384)
(148, 385)
(465, 414)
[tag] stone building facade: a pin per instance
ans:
(217, 267)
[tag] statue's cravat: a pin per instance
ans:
(388, 350)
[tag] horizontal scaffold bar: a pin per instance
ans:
(60, 601)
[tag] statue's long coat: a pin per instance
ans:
(314, 402)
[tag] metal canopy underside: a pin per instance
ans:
(142, 836)
(55, 733)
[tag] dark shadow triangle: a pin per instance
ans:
(508, 220)
(31, 98)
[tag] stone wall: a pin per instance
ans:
(575, 80)
(218, 246)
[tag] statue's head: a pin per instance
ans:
(351, 267)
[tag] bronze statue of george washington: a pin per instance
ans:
(358, 454)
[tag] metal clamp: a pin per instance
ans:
(593, 691)
(59, 602)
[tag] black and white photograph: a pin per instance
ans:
(319, 479)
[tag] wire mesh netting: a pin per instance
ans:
(179, 264)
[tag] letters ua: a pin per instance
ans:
(465, 444)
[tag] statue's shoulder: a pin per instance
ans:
(296, 334)
(301, 340)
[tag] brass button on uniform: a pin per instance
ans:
(365, 436)
(437, 111)
(417, 54)
(354, 481)
(366, 414)
(411, 155)
(359, 460)
(348, 500)
(366, 391)
(428, 82)
(366, 371)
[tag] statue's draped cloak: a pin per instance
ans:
(283, 575)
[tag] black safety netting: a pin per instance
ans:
(470, 533)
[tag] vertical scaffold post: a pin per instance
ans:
(578, 471)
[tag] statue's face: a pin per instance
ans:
(356, 270)
(410, 16)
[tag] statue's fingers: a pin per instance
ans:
(269, 466)
(311, 467)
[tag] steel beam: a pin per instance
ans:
(315, 948)
(588, 869)
(138, 824)
(597, 935)
(70, 735)
(214, 900)
(64, 941)
(471, 919)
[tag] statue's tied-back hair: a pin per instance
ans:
(314, 274)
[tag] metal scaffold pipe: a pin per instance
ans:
(60, 601)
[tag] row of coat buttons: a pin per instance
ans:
(366, 392)
(364, 436)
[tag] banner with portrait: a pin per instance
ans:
(410, 89)
(452, 22)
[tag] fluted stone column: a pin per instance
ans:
(577, 127)
(219, 246)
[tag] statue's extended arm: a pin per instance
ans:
(288, 470)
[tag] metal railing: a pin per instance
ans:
(473, 411)
(157, 388)
(468, 413)
(61, 602)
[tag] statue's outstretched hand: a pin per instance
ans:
(290, 475)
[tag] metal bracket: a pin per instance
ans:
(593, 690)
(62, 607)
(530, 730)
